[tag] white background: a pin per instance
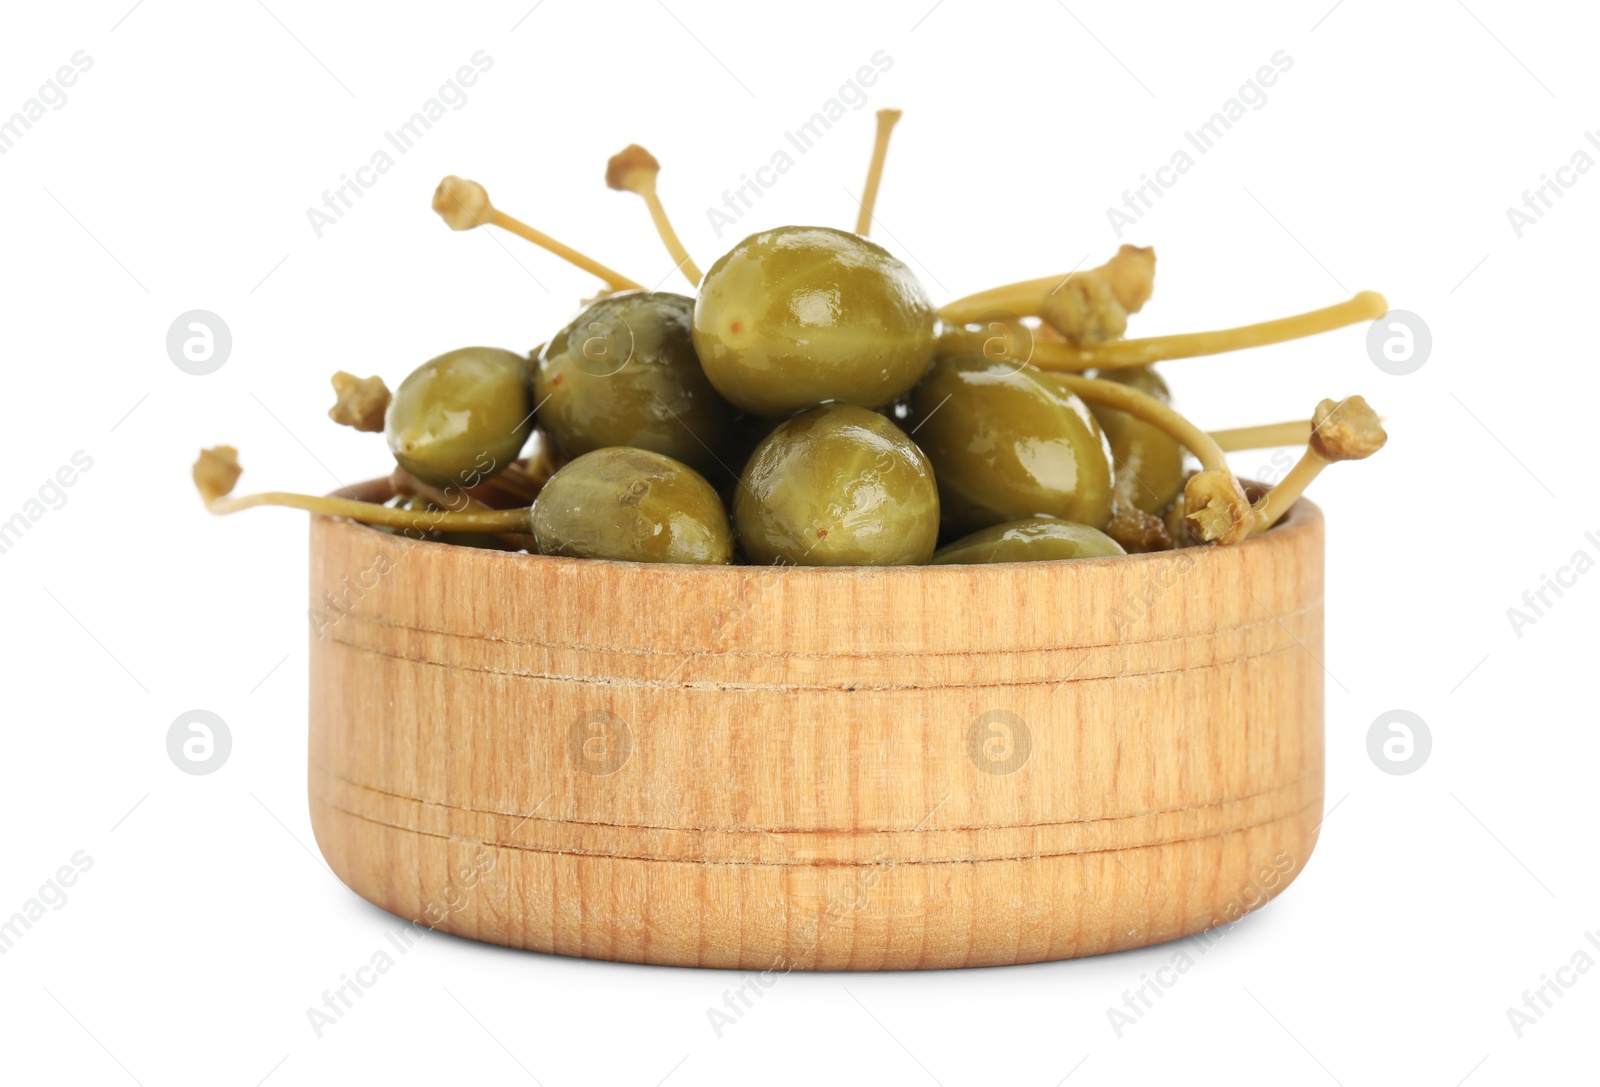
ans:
(177, 176)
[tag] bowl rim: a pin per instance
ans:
(1301, 518)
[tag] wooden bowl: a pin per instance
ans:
(854, 769)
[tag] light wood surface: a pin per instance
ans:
(816, 769)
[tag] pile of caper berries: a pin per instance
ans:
(810, 406)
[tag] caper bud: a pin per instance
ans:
(633, 505)
(837, 486)
(1148, 461)
(460, 418)
(625, 373)
(794, 317)
(1031, 539)
(1006, 441)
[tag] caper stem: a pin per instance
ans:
(1121, 354)
(633, 169)
(1021, 299)
(1218, 508)
(369, 513)
(669, 237)
(1345, 429)
(1015, 298)
(615, 280)
(887, 119)
(465, 205)
(1142, 405)
(1118, 354)
(403, 482)
(1129, 272)
(1266, 436)
(1276, 502)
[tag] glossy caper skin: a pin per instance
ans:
(792, 318)
(1030, 539)
(837, 486)
(461, 417)
(633, 505)
(1008, 441)
(624, 372)
(1147, 461)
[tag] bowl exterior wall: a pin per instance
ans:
(775, 769)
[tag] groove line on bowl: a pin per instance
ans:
(1205, 835)
(1313, 774)
(865, 654)
(927, 663)
(802, 848)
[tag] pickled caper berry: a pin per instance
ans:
(461, 417)
(792, 318)
(1030, 539)
(625, 373)
(634, 505)
(837, 486)
(1006, 441)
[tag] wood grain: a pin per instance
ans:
(816, 769)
